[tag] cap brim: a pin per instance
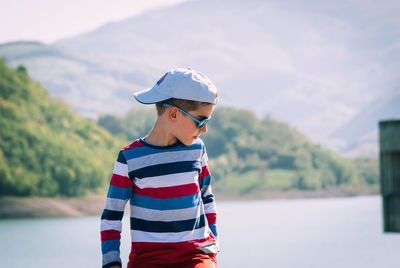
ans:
(149, 96)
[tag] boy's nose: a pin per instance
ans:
(204, 128)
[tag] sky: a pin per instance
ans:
(51, 20)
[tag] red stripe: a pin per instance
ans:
(134, 144)
(120, 181)
(211, 218)
(185, 245)
(168, 192)
(204, 172)
(110, 235)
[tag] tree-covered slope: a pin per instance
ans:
(248, 154)
(46, 149)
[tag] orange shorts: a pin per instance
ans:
(172, 258)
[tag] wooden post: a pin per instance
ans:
(389, 143)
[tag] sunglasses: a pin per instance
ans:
(200, 123)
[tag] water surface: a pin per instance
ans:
(338, 232)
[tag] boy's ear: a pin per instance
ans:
(172, 113)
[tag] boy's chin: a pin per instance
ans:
(188, 142)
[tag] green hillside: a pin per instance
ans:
(249, 155)
(45, 148)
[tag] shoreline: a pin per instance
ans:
(45, 207)
(93, 205)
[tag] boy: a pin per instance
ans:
(165, 176)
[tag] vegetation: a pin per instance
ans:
(45, 148)
(48, 150)
(248, 154)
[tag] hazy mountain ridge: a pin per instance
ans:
(361, 132)
(92, 85)
(314, 65)
(306, 63)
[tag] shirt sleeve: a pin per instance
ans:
(207, 194)
(119, 192)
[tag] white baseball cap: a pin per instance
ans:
(180, 83)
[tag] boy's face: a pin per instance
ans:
(186, 128)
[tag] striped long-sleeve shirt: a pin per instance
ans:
(171, 202)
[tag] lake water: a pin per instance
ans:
(338, 232)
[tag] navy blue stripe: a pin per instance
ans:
(112, 215)
(165, 169)
(121, 158)
(165, 204)
(208, 199)
(167, 227)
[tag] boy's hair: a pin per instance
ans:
(186, 105)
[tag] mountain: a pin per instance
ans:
(313, 64)
(361, 132)
(91, 85)
(46, 149)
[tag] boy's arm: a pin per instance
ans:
(119, 192)
(207, 195)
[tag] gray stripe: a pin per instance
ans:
(115, 204)
(120, 169)
(111, 256)
(210, 207)
(166, 215)
(141, 236)
(169, 180)
(163, 158)
(111, 225)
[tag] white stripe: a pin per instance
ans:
(167, 180)
(110, 225)
(121, 169)
(115, 204)
(204, 159)
(163, 158)
(140, 236)
(111, 256)
(210, 207)
(166, 215)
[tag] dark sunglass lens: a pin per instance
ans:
(202, 123)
